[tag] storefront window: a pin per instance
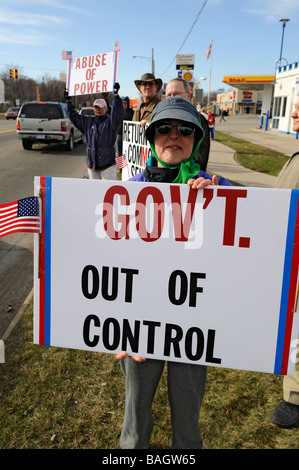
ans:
(284, 105)
(277, 105)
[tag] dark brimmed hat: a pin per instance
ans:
(149, 77)
(174, 108)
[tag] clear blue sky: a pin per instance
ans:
(246, 36)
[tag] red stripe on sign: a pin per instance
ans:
(42, 265)
(292, 298)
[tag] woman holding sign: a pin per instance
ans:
(100, 132)
(174, 134)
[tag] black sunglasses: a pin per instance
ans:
(165, 128)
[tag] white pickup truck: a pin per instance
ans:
(46, 123)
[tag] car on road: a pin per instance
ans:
(46, 123)
(12, 113)
(87, 111)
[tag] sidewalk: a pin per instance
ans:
(222, 160)
(222, 163)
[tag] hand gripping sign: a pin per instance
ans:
(92, 74)
(167, 272)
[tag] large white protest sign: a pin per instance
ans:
(167, 272)
(136, 149)
(92, 74)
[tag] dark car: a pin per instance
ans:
(12, 113)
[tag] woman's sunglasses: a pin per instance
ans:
(165, 128)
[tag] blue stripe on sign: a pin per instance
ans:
(286, 281)
(48, 204)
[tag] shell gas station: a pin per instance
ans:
(250, 94)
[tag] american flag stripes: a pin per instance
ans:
(66, 55)
(121, 161)
(20, 216)
(208, 51)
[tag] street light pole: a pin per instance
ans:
(284, 21)
(153, 63)
(147, 58)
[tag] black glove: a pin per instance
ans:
(116, 88)
(66, 95)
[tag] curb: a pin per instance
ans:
(14, 322)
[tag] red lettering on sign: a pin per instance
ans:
(84, 88)
(182, 228)
(108, 210)
(231, 196)
(158, 214)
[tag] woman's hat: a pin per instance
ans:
(149, 77)
(174, 108)
(99, 102)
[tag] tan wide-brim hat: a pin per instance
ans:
(149, 77)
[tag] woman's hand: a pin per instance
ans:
(122, 355)
(201, 183)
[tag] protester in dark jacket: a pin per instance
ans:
(100, 132)
(128, 114)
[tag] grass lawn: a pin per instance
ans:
(54, 398)
(252, 156)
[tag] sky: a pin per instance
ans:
(246, 36)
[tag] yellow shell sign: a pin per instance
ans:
(188, 76)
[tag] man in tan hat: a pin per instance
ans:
(149, 86)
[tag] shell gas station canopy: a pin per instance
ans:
(249, 82)
(264, 83)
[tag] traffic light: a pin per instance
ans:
(14, 73)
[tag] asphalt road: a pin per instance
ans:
(18, 167)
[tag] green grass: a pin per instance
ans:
(54, 398)
(252, 156)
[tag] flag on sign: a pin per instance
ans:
(116, 46)
(20, 216)
(121, 161)
(66, 55)
(208, 51)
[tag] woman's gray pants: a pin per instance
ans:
(186, 388)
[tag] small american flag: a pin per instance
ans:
(116, 46)
(121, 161)
(66, 55)
(208, 51)
(20, 216)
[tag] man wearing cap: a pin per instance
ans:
(100, 132)
(149, 86)
(174, 134)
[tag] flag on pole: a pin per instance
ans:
(20, 216)
(66, 55)
(121, 161)
(116, 47)
(208, 51)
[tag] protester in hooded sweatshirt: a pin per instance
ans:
(128, 114)
(100, 132)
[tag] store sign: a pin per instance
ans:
(185, 62)
(247, 96)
